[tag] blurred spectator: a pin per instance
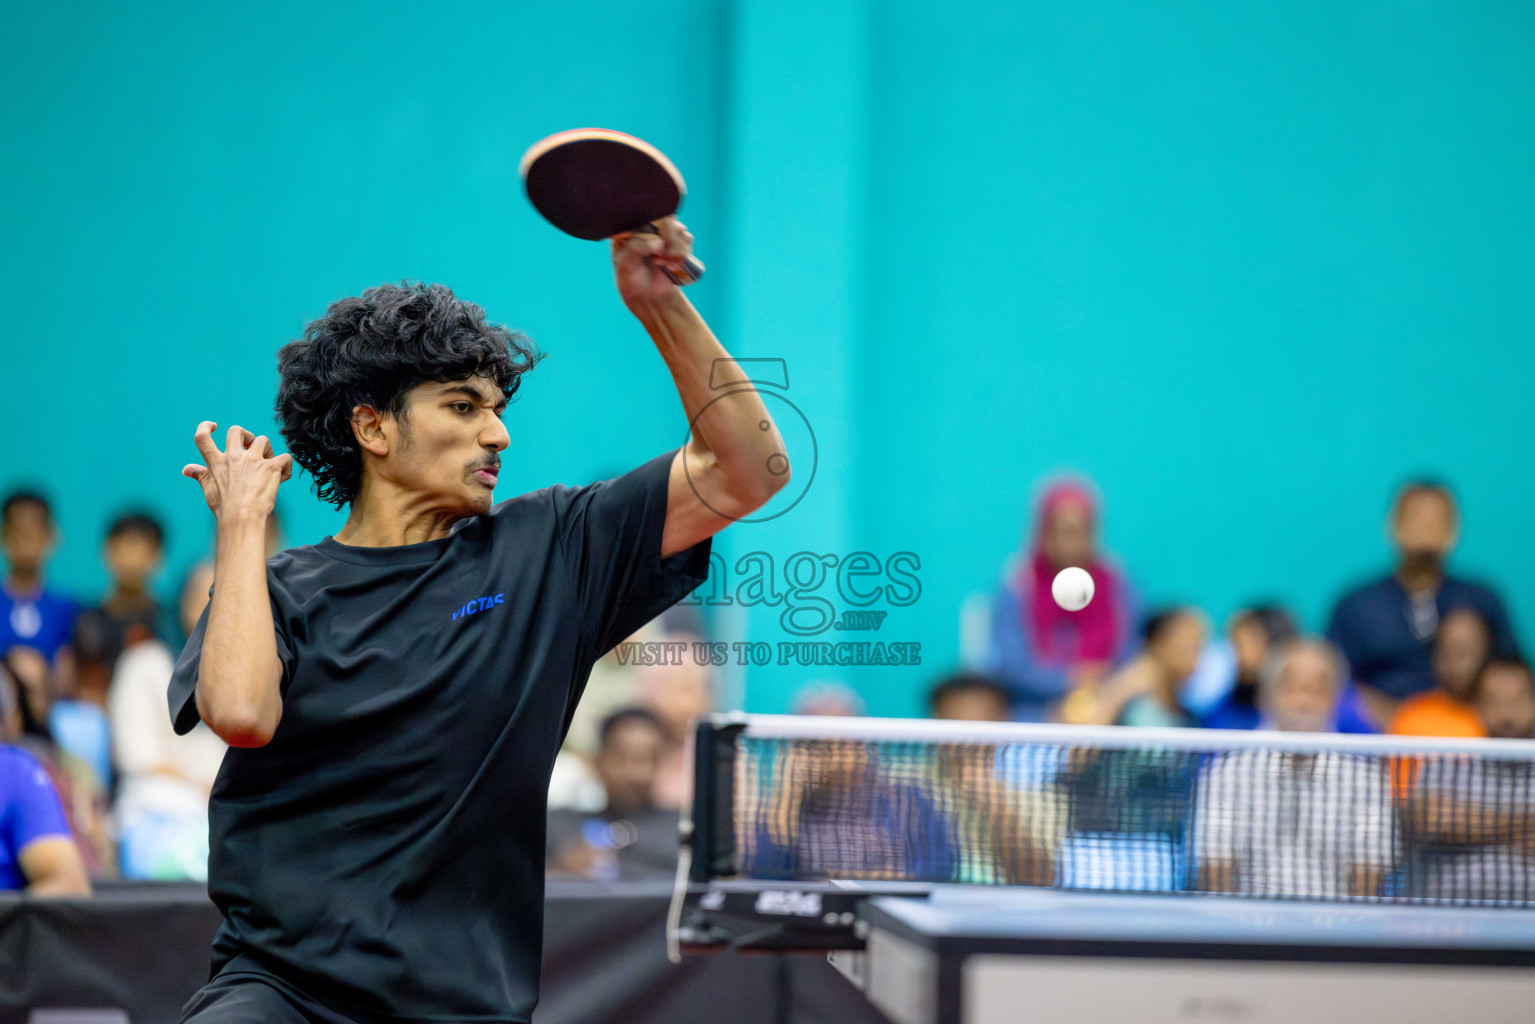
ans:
(1503, 694)
(129, 615)
(163, 779)
(36, 852)
(36, 680)
(845, 809)
(1250, 633)
(196, 591)
(1470, 819)
(30, 613)
(1004, 808)
(968, 697)
(1037, 648)
(1385, 628)
(1268, 822)
(197, 587)
(1146, 691)
(827, 698)
(676, 694)
(1462, 644)
(1300, 683)
(629, 838)
(82, 802)
(613, 684)
(133, 551)
(77, 726)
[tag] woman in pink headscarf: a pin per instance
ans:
(1040, 650)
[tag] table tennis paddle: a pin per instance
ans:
(594, 183)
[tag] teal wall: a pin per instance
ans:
(1245, 265)
(187, 185)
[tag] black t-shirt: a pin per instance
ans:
(384, 853)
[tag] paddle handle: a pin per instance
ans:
(692, 267)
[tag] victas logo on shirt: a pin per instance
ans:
(479, 604)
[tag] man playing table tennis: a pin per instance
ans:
(394, 695)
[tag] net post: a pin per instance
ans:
(711, 838)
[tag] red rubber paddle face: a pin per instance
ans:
(594, 183)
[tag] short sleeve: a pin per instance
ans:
(610, 534)
(183, 686)
(35, 811)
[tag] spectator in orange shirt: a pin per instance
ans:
(1461, 646)
(1470, 828)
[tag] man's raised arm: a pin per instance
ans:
(240, 674)
(733, 461)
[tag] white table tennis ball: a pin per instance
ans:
(1072, 589)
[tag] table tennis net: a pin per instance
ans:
(1314, 817)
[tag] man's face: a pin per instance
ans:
(977, 705)
(1460, 647)
(132, 557)
(628, 764)
(28, 538)
(1506, 702)
(1067, 537)
(1250, 643)
(1178, 646)
(446, 448)
(1424, 529)
(1305, 692)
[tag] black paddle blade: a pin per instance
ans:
(595, 184)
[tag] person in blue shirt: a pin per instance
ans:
(1386, 629)
(1149, 690)
(842, 810)
(1252, 633)
(37, 632)
(31, 615)
(1042, 652)
(36, 851)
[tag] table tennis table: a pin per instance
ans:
(971, 955)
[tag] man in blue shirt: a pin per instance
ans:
(36, 851)
(31, 615)
(1386, 628)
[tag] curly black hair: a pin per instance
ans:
(370, 351)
